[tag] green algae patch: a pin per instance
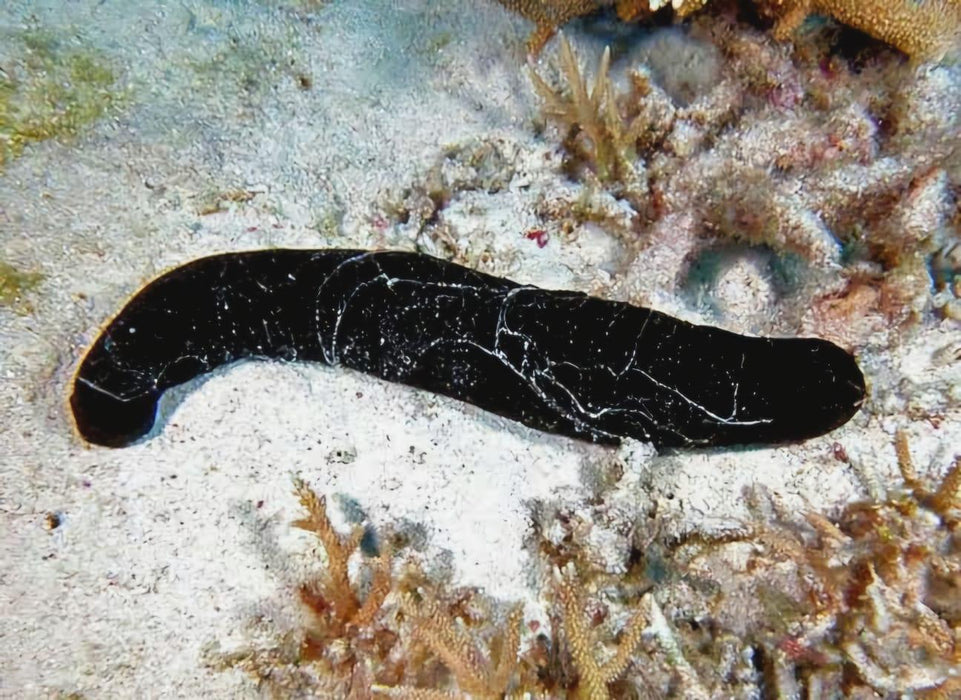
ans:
(51, 89)
(14, 285)
(236, 68)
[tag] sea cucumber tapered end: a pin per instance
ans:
(104, 419)
(816, 387)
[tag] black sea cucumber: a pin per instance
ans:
(557, 361)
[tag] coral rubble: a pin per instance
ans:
(796, 152)
(866, 599)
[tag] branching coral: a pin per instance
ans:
(582, 641)
(344, 628)
(333, 598)
(474, 669)
(864, 600)
(597, 132)
(354, 646)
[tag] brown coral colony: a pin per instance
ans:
(923, 29)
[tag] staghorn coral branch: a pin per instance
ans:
(338, 550)
(472, 668)
(380, 587)
(614, 667)
(946, 500)
(435, 628)
(581, 641)
(905, 464)
(946, 496)
(507, 663)
(825, 528)
(875, 585)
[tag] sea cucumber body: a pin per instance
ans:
(557, 361)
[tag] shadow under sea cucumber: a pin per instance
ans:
(557, 361)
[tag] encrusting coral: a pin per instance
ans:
(548, 15)
(923, 29)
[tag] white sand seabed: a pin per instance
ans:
(171, 545)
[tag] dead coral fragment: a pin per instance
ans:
(215, 201)
(923, 29)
